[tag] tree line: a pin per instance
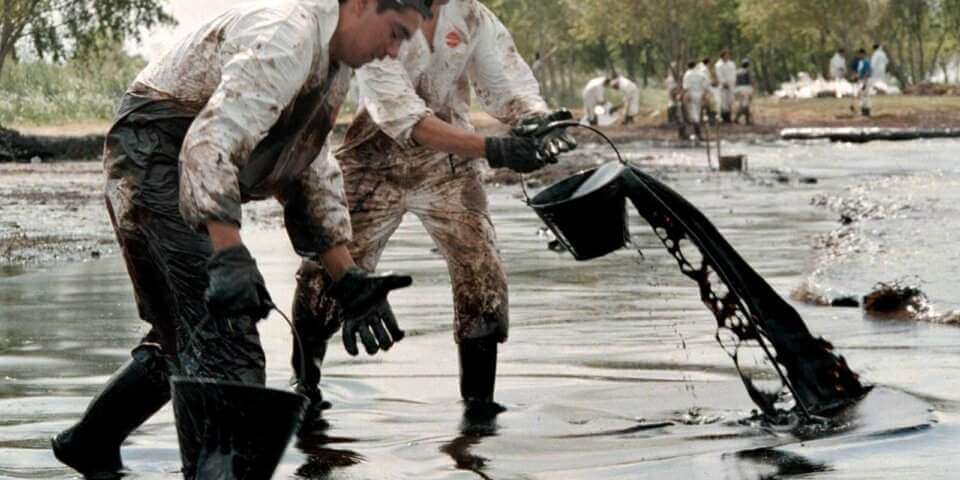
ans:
(647, 39)
(642, 39)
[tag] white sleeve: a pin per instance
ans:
(388, 94)
(504, 83)
(315, 210)
(264, 69)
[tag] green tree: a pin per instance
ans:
(58, 27)
(915, 33)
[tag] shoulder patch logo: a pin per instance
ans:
(453, 39)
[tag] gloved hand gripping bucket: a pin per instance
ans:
(587, 212)
(231, 430)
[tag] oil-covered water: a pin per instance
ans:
(612, 369)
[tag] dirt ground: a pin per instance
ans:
(770, 116)
(53, 213)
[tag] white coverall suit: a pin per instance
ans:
(631, 95)
(695, 85)
(838, 72)
(727, 77)
(387, 174)
(711, 95)
(594, 95)
(879, 62)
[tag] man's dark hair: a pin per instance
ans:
(862, 51)
(706, 60)
(691, 64)
(400, 5)
(876, 46)
(841, 50)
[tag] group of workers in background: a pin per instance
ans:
(868, 73)
(710, 89)
(595, 102)
(707, 90)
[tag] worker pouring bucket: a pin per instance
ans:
(587, 212)
(231, 430)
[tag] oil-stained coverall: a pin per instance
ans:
(387, 174)
(695, 85)
(593, 97)
(631, 97)
(727, 76)
(239, 110)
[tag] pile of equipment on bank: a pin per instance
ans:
(587, 213)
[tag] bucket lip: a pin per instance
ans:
(176, 380)
(532, 201)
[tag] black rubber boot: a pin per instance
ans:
(313, 417)
(478, 376)
(727, 117)
(131, 396)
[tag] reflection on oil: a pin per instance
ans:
(769, 464)
(476, 424)
(322, 460)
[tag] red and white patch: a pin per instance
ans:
(453, 40)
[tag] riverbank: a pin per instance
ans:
(53, 212)
(771, 115)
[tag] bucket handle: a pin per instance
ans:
(566, 124)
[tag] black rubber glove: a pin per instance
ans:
(552, 142)
(520, 154)
(236, 286)
(363, 301)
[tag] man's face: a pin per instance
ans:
(379, 34)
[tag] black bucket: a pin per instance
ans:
(230, 430)
(587, 212)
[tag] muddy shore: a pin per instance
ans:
(84, 141)
(53, 212)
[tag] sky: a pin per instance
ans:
(190, 14)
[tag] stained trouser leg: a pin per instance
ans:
(140, 387)
(208, 346)
(315, 319)
(376, 210)
(453, 208)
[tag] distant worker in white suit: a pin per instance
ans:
(594, 95)
(838, 70)
(695, 85)
(726, 71)
(879, 62)
(631, 97)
